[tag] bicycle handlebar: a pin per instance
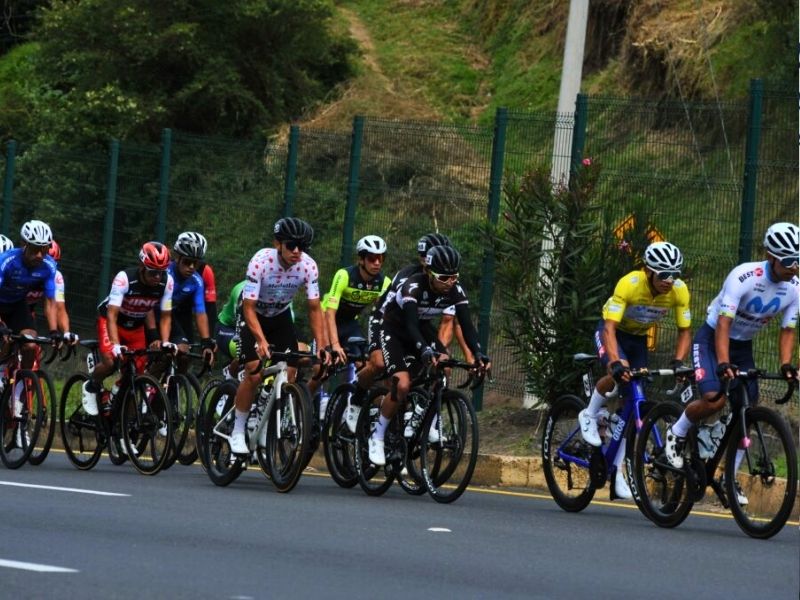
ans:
(791, 384)
(645, 373)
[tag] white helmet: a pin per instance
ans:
(5, 243)
(782, 240)
(663, 256)
(372, 244)
(191, 244)
(37, 233)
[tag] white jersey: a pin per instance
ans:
(752, 299)
(273, 287)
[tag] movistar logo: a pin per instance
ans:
(757, 306)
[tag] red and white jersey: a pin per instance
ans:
(135, 299)
(273, 287)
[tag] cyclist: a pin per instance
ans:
(752, 295)
(188, 296)
(210, 284)
(35, 294)
(225, 331)
(126, 317)
(640, 298)
(274, 275)
(407, 330)
(5, 243)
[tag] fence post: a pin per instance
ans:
(8, 185)
(163, 183)
(493, 211)
(750, 169)
(352, 190)
(578, 134)
(108, 223)
(290, 185)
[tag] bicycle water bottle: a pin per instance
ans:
(709, 436)
(412, 424)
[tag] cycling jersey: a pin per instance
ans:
(135, 299)
(16, 279)
(209, 281)
(417, 289)
(189, 292)
(37, 293)
(635, 309)
(351, 293)
(273, 287)
(227, 315)
(752, 299)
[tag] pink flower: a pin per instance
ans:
(587, 162)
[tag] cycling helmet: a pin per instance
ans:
(429, 240)
(55, 251)
(444, 260)
(782, 240)
(37, 233)
(154, 255)
(371, 244)
(191, 244)
(5, 243)
(663, 256)
(291, 228)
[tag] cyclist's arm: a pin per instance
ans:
(462, 342)
(446, 328)
(62, 318)
(112, 312)
(467, 328)
(787, 342)
(165, 325)
(610, 340)
(317, 322)
(411, 319)
(722, 339)
(250, 317)
(202, 325)
(50, 313)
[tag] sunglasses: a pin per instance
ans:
(667, 275)
(445, 278)
(373, 257)
(293, 245)
(154, 273)
(788, 262)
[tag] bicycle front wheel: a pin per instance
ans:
(147, 424)
(48, 418)
(80, 431)
(664, 493)
(373, 479)
(189, 453)
(449, 447)
(180, 395)
(202, 409)
(20, 419)
(288, 435)
(222, 466)
(764, 469)
(338, 443)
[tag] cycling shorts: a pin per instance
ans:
(279, 331)
(704, 361)
(133, 339)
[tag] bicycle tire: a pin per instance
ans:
(288, 435)
(189, 453)
(80, 433)
(562, 431)
(147, 424)
(179, 394)
(664, 492)
(222, 467)
(446, 475)
(767, 474)
(203, 398)
(374, 480)
(338, 444)
(20, 426)
(49, 411)
(413, 482)
(630, 448)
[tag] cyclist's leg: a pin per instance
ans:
(246, 391)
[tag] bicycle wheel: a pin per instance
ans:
(374, 480)
(180, 397)
(202, 408)
(664, 492)
(222, 466)
(20, 419)
(49, 405)
(338, 443)
(147, 425)
(449, 447)
(766, 473)
(565, 456)
(288, 435)
(80, 431)
(189, 453)
(411, 479)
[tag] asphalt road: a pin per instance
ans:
(176, 535)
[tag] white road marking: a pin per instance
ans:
(26, 566)
(63, 489)
(439, 529)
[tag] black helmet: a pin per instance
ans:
(191, 244)
(429, 240)
(291, 228)
(444, 260)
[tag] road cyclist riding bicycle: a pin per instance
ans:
(641, 298)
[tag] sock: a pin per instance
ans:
(380, 427)
(241, 420)
(596, 402)
(682, 426)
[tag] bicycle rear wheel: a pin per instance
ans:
(563, 447)
(80, 431)
(20, 419)
(448, 458)
(766, 475)
(222, 466)
(664, 492)
(180, 397)
(202, 408)
(288, 435)
(147, 425)
(373, 479)
(338, 443)
(49, 408)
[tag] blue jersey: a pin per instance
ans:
(188, 292)
(16, 279)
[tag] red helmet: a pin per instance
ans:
(55, 251)
(154, 255)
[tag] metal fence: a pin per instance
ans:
(711, 177)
